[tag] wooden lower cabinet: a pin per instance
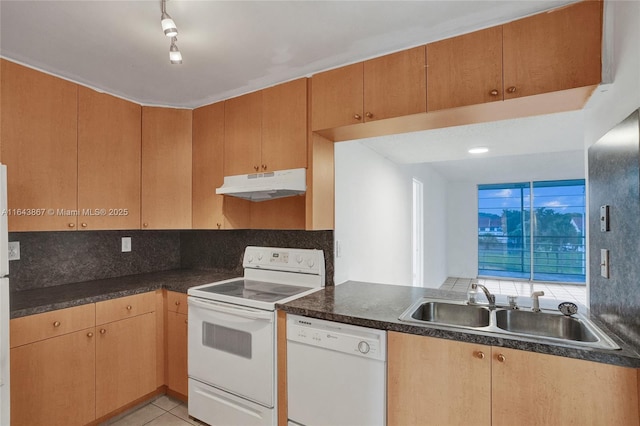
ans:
(177, 379)
(551, 390)
(442, 382)
(125, 362)
(437, 382)
(53, 381)
(65, 370)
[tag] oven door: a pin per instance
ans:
(233, 348)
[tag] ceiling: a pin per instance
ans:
(229, 47)
(551, 133)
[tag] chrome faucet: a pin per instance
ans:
(490, 297)
(536, 302)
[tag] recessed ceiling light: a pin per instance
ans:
(479, 150)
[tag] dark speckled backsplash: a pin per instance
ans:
(614, 180)
(222, 250)
(56, 258)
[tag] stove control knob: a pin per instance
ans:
(299, 259)
(310, 262)
(363, 347)
(250, 258)
(259, 256)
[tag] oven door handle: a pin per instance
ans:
(230, 309)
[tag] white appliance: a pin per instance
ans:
(336, 373)
(265, 186)
(232, 335)
(4, 301)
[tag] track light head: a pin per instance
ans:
(175, 57)
(168, 26)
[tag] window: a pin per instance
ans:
(532, 230)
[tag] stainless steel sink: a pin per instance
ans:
(546, 325)
(454, 314)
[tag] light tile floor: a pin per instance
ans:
(565, 292)
(162, 411)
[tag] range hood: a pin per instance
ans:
(265, 186)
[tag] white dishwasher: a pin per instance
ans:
(336, 373)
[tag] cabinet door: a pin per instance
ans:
(125, 362)
(395, 85)
(53, 381)
(465, 70)
(337, 97)
(208, 163)
(39, 147)
(177, 302)
(177, 375)
(437, 382)
(108, 161)
(166, 168)
(553, 51)
(284, 126)
(242, 134)
(547, 390)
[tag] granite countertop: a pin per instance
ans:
(380, 305)
(29, 302)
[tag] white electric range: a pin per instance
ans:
(232, 335)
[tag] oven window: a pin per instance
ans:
(236, 342)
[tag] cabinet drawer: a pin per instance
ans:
(176, 302)
(51, 324)
(125, 307)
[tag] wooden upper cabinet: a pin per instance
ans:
(395, 85)
(284, 126)
(208, 164)
(166, 168)
(39, 147)
(553, 51)
(390, 86)
(337, 97)
(465, 70)
(242, 134)
(108, 161)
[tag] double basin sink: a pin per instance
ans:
(545, 325)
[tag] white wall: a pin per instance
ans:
(373, 217)
(435, 223)
(613, 102)
(462, 229)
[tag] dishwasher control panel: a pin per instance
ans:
(350, 339)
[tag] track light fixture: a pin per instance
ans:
(174, 53)
(168, 26)
(170, 30)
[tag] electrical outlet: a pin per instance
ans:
(338, 249)
(126, 244)
(14, 250)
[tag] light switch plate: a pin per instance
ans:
(604, 218)
(14, 250)
(604, 263)
(126, 244)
